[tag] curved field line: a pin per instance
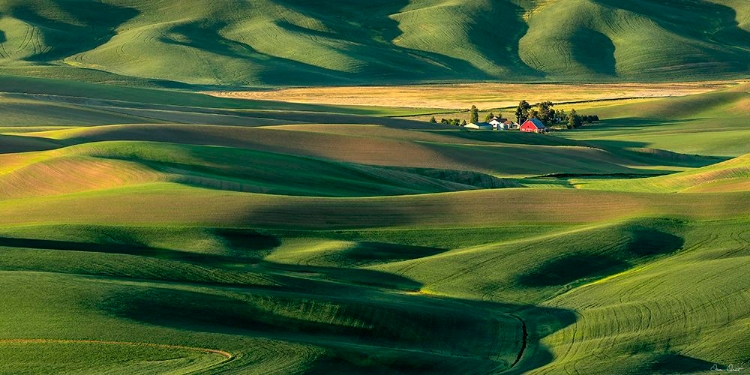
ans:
(524, 343)
(227, 356)
(26, 36)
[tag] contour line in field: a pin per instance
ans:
(227, 356)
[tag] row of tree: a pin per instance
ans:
(475, 115)
(449, 121)
(549, 116)
(574, 120)
(542, 111)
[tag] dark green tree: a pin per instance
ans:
(432, 120)
(545, 113)
(522, 111)
(474, 115)
(573, 119)
(489, 117)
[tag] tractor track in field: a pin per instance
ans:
(524, 340)
(228, 357)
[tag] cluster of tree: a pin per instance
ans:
(491, 115)
(542, 111)
(549, 116)
(449, 121)
(474, 117)
(574, 120)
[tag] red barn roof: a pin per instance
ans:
(532, 125)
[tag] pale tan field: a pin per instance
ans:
(483, 95)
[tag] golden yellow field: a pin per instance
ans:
(484, 95)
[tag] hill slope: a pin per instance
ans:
(301, 42)
(152, 231)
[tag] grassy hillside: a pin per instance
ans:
(299, 42)
(704, 291)
(709, 124)
(635, 39)
(152, 231)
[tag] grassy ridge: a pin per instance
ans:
(88, 167)
(388, 41)
(133, 205)
(727, 176)
(649, 335)
(609, 39)
(708, 124)
(225, 310)
(498, 154)
(255, 240)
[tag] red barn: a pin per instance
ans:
(533, 126)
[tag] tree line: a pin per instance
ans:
(542, 111)
(549, 116)
(449, 121)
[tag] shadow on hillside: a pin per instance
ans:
(697, 19)
(532, 161)
(641, 241)
(248, 246)
(362, 329)
(571, 268)
(640, 152)
(497, 32)
(680, 364)
(247, 250)
(362, 318)
(273, 70)
(595, 51)
(374, 57)
(372, 253)
(94, 24)
(374, 29)
(10, 144)
(647, 242)
(335, 213)
(630, 123)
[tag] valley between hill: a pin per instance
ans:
(289, 43)
(156, 231)
(307, 217)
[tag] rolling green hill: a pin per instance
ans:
(300, 42)
(155, 231)
(709, 124)
(149, 228)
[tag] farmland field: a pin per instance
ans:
(485, 95)
(266, 187)
(225, 235)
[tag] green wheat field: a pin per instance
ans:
(149, 228)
